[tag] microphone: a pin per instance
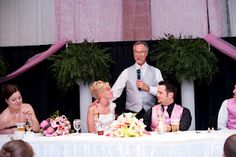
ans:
(139, 76)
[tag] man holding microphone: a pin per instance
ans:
(141, 81)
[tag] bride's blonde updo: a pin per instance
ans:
(97, 87)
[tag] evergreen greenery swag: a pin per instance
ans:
(184, 59)
(85, 61)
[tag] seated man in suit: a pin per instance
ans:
(171, 111)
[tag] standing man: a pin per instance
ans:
(140, 80)
(171, 111)
(227, 113)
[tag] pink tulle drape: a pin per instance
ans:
(221, 45)
(35, 60)
(92, 20)
(125, 20)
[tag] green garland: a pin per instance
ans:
(184, 59)
(85, 61)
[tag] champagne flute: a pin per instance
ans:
(76, 124)
(96, 116)
(160, 121)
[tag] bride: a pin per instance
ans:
(102, 110)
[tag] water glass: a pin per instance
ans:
(99, 128)
(77, 125)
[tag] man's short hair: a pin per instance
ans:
(230, 146)
(169, 87)
(141, 42)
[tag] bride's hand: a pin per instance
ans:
(94, 103)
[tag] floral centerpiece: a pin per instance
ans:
(127, 125)
(55, 125)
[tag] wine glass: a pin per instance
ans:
(76, 124)
(28, 125)
(28, 121)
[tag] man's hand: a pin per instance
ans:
(167, 128)
(140, 84)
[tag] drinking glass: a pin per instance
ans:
(175, 125)
(99, 127)
(96, 116)
(28, 121)
(160, 121)
(20, 127)
(28, 125)
(76, 124)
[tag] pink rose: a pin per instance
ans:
(50, 130)
(44, 123)
(54, 124)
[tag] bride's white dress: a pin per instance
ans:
(107, 119)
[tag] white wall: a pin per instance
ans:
(232, 14)
(27, 22)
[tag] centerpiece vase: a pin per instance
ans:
(85, 101)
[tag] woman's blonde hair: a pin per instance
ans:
(97, 87)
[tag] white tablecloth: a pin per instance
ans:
(181, 144)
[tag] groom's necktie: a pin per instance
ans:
(166, 115)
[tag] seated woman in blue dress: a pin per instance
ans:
(102, 110)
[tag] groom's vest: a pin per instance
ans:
(231, 107)
(138, 99)
(175, 115)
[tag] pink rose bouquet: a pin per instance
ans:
(55, 126)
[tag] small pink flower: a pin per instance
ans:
(44, 123)
(50, 130)
(54, 124)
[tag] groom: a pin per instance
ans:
(171, 111)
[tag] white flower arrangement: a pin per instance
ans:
(127, 125)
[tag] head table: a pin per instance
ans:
(180, 144)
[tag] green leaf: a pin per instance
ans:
(184, 58)
(85, 61)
